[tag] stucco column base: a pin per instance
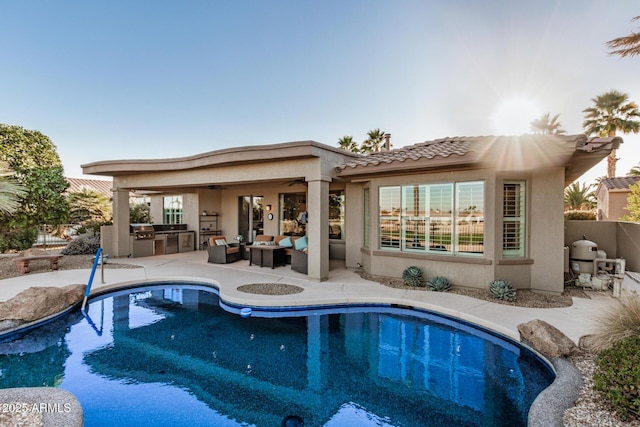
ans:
(318, 230)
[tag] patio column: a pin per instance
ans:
(318, 229)
(121, 222)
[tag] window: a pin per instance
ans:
(336, 215)
(172, 211)
(367, 218)
(513, 219)
(470, 217)
(422, 218)
(293, 214)
(389, 217)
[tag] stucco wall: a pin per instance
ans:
(603, 233)
(546, 225)
(618, 239)
(617, 205)
(542, 269)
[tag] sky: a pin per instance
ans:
(155, 79)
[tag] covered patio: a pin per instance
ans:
(244, 191)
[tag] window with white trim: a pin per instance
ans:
(428, 218)
(513, 219)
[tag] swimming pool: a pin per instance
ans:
(170, 355)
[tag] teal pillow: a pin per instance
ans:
(301, 243)
(286, 242)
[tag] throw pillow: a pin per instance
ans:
(221, 242)
(286, 242)
(301, 243)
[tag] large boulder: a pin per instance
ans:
(37, 303)
(547, 339)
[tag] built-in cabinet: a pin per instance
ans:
(209, 226)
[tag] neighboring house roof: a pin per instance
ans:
(101, 186)
(619, 182)
(576, 153)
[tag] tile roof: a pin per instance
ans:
(101, 186)
(444, 147)
(502, 152)
(619, 182)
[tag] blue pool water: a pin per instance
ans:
(170, 356)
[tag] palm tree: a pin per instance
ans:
(635, 171)
(347, 143)
(547, 125)
(579, 197)
(10, 191)
(627, 45)
(374, 139)
(612, 112)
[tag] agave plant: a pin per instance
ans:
(412, 276)
(439, 284)
(502, 289)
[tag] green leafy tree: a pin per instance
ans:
(633, 204)
(634, 171)
(627, 45)
(578, 196)
(88, 206)
(547, 125)
(139, 213)
(612, 112)
(10, 190)
(38, 168)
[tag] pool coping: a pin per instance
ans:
(546, 410)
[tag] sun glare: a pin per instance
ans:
(514, 115)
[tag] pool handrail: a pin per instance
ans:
(93, 272)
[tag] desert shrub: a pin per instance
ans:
(439, 284)
(619, 321)
(17, 238)
(412, 276)
(502, 290)
(580, 215)
(617, 375)
(84, 244)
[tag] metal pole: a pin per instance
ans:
(102, 266)
(93, 272)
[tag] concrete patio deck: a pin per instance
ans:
(343, 286)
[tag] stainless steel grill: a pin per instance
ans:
(142, 231)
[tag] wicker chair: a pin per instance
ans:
(223, 254)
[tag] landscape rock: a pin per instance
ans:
(37, 303)
(547, 339)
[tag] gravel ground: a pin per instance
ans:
(589, 410)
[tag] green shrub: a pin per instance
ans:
(439, 284)
(617, 375)
(580, 215)
(84, 244)
(17, 238)
(412, 276)
(502, 290)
